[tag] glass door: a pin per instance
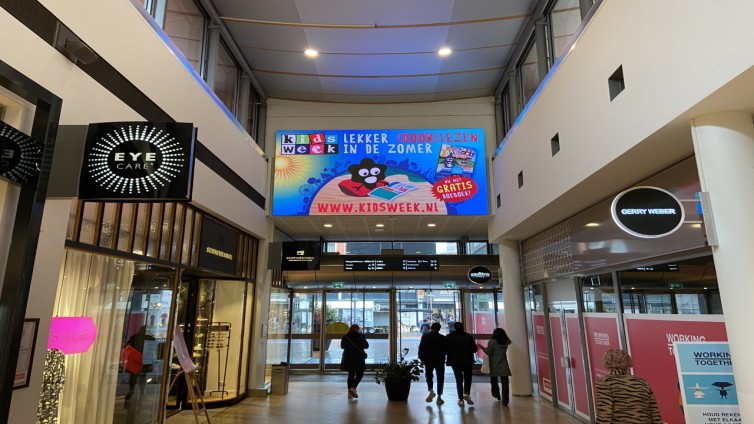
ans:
(480, 318)
(418, 307)
(306, 329)
(370, 310)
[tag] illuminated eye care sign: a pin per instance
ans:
(380, 172)
(138, 161)
(20, 156)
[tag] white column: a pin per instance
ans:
(724, 147)
(515, 318)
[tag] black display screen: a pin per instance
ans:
(398, 263)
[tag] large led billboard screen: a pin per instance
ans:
(380, 172)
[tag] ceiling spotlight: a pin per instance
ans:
(311, 53)
(592, 224)
(444, 51)
(328, 225)
(379, 225)
(431, 224)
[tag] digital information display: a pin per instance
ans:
(402, 263)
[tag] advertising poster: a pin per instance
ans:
(380, 172)
(650, 342)
(578, 372)
(601, 335)
(705, 371)
(559, 356)
(543, 360)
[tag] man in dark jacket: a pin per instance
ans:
(432, 355)
(460, 347)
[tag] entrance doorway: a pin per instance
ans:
(390, 319)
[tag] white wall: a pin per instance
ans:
(674, 54)
(119, 33)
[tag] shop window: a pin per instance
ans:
(277, 327)
(129, 305)
(598, 294)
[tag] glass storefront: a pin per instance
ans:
(135, 305)
(129, 303)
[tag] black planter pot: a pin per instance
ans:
(398, 390)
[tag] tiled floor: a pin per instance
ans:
(317, 399)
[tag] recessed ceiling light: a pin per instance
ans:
(431, 224)
(379, 225)
(311, 53)
(444, 51)
(328, 225)
(592, 224)
(379, 230)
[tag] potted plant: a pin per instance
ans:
(397, 376)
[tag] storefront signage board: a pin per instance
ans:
(709, 392)
(650, 341)
(479, 275)
(138, 161)
(218, 246)
(647, 212)
(20, 156)
(72, 334)
(301, 256)
(380, 172)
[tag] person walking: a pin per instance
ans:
(460, 348)
(497, 351)
(624, 398)
(354, 346)
(432, 356)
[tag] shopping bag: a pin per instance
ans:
(485, 365)
(131, 359)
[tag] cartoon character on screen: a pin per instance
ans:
(365, 177)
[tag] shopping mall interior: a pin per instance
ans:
(198, 198)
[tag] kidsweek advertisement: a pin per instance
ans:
(380, 172)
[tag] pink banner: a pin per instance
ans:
(543, 360)
(578, 370)
(650, 341)
(558, 354)
(601, 335)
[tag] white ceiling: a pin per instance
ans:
(376, 51)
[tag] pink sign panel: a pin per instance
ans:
(578, 371)
(558, 354)
(543, 359)
(72, 334)
(601, 332)
(650, 341)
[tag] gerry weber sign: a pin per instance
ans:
(647, 212)
(138, 161)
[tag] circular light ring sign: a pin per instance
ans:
(135, 159)
(20, 155)
(647, 212)
(480, 275)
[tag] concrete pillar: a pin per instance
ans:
(515, 318)
(724, 147)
